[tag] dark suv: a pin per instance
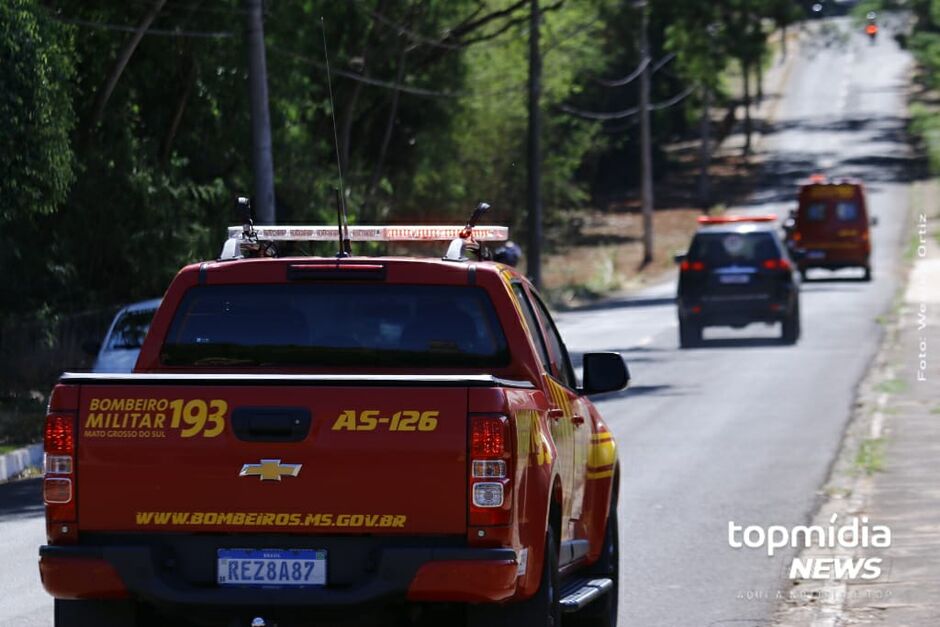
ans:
(737, 272)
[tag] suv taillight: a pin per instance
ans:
(692, 266)
(59, 465)
(777, 264)
(490, 478)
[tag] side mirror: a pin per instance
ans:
(873, 221)
(604, 372)
(91, 347)
(679, 258)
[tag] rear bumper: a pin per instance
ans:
(733, 312)
(833, 258)
(415, 574)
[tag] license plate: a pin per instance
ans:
(271, 567)
(816, 254)
(734, 279)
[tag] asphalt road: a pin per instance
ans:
(744, 428)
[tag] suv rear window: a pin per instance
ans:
(316, 325)
(725, 249)
(130, 330)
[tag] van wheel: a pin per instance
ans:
(867, 275)
(94, 613)
(690, 334)
(603, 611)
(542, 610)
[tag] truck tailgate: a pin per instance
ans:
(272, 457)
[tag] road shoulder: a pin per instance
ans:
(886, 473)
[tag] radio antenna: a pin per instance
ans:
(345, 249)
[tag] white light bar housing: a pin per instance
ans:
(359, 233)
(232, 249)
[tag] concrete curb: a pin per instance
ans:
(17, 461)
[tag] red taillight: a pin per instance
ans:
(777, 264)
(59, 482)
(59, 435)
(692, 266)
(796, 236)
(488, 437)
(489, 475)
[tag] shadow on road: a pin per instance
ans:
(21, 499)
(624, 303)
(744, 342)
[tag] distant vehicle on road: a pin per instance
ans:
(737, 271)
(829, 228)
(121, 345)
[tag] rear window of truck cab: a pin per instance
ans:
(327, 325)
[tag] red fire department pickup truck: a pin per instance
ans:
(307, 435)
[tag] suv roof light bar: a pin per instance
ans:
(734, 219)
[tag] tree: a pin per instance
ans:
(36, 112)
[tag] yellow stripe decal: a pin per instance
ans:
(603, 454)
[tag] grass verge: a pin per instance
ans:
(870, 456)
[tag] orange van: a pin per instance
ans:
(830, 226)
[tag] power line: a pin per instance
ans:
(402, 30)
(626, 113)
(150, 31)
(632, 76)
(626, 80)
(407, 89)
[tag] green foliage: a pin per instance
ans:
(21, 422)
(35, 106)
(925, 123)
(431, 112)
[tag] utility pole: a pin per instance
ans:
(646, 150)
(704, 191)
(705, 151)
(261, 159)
(534, 204)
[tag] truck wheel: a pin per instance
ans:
(94, 613)
(603, 611)
(690, 334)
(542, 610)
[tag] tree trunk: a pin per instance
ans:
(760, 81)
(350, 109)
(704, 184)
(387, 137)
(101, 100)
(646, 148)
(167, 147)
(746, 69)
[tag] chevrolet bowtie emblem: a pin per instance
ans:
(270, 470)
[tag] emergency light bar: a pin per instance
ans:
(733, 219)
(359, 233)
